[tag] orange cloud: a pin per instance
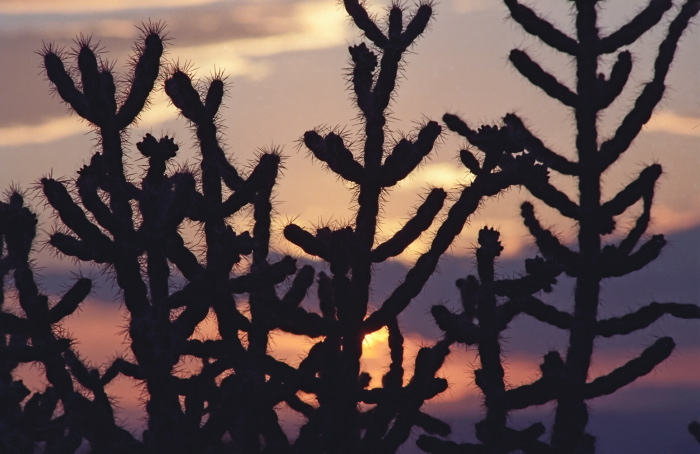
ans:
(667, 121)
(444, 175)
(667, 220)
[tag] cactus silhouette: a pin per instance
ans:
(235, 393)
(351, 252)
(36, 338)
(566, 380)
(134, 227)
(144, 256)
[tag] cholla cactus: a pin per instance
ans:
(566, 380)
(236, 390)
(133, 228)
(143, 257)
(35, 338)
(351, 252)
(481, 323)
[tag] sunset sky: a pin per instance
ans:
(286, 62)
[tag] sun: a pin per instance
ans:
(375, 339)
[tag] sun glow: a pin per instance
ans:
(376, 342)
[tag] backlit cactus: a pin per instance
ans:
(566, 381)
(132, 225)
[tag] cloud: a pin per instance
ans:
(668, 220)
(308, 26)
(46, 132)
(319, 25)
(89, 6)
(63, 127)
(667, 121)
(469, 6)
(444, 175)
(459, 366)
(511, 230)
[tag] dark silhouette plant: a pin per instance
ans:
(134, 229)
(147, 253)
(34, 337)
(338, 425)
(566, 380)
